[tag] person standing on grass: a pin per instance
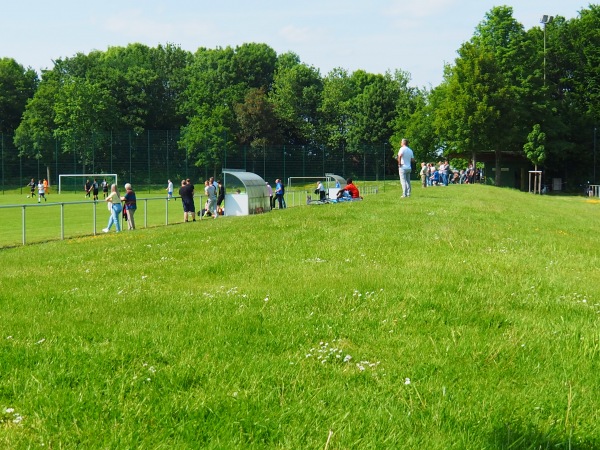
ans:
(95, 189)
(104, 185)
(186, 192)
(169, 189)
(115, 208)
(46, 187)
(279, 192)
(423, 174)
(86, 187)
(321, 190)
(211, 203)
(220, 197)
(130, 205)
(445, 169)
(270, 192)
(406, 158)
(41, 192)
(32, 185)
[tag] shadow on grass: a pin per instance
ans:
(527, 436)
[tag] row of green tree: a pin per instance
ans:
(533, 93)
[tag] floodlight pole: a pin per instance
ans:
(545, 20)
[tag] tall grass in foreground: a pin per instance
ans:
(463, 317)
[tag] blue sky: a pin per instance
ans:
(376, 36)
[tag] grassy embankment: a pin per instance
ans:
(463, 317)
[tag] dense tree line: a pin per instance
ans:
(497, 96)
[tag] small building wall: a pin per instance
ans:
(512, 174)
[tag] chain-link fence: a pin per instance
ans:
(148, 159)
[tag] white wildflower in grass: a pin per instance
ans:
(356, 294)
(41, 341)
(9, 337)
(144, 277)
(315, 260)
(360, 367)
(267, 298)
(10, 416)
(407, 381)
(347, 358)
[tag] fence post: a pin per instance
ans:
(62, 221)
(23, 224)
(167, 211)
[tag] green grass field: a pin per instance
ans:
(465, 317)
(81, 216)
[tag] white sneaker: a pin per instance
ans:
(105, 230)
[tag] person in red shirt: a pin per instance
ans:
(350, 188)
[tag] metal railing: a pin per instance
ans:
(594, 190)
(85, 228)
(94, 222)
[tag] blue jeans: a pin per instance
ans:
(114, 216)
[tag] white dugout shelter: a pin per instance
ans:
(245, 193)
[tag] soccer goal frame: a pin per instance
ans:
(98, 176)
(290, 179)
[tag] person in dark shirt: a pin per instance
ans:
(130, 205)
(220, 197)
(87, 187)
(186, 192)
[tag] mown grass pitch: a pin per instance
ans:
(463, 317)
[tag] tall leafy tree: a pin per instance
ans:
(373, 109)
(418, 125)
(257, 124)
(335, 108)
(17, 86)
(296, 96)
(82, 111)
(34, 137)
(480, 110)
(219, 80)
(573, 79)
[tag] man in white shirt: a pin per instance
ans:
(406, 158)
(211, 205)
